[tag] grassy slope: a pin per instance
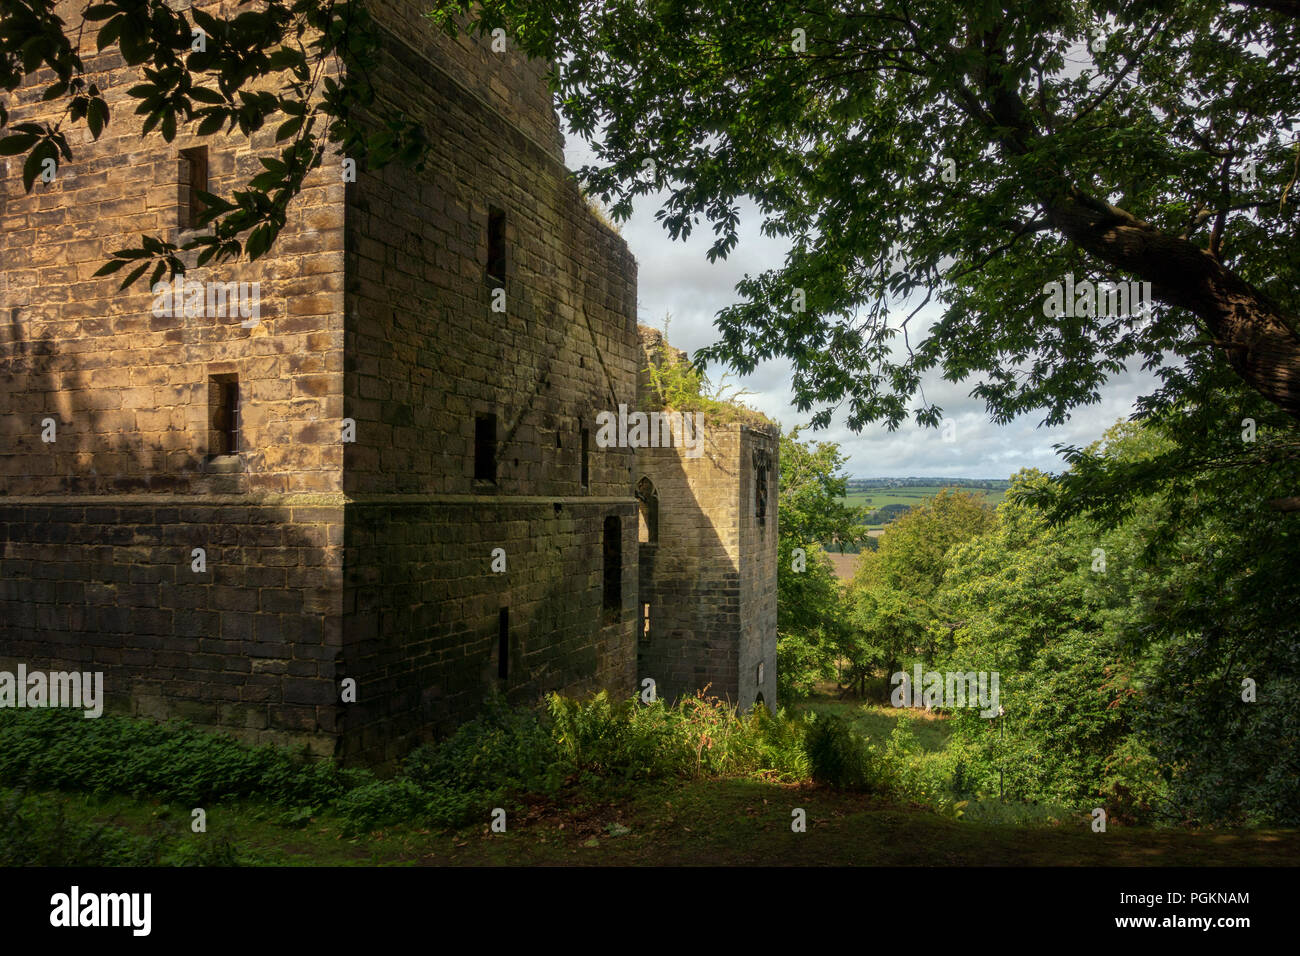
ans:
(709, 822)
(703, 822)
(731, 822)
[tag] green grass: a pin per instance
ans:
(876, 722)
(91, 804)
(700, 823)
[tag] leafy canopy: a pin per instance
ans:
(1107, 140)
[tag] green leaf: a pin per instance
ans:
(97, 117)
(265, 182)
(211, 123)
(109, 32)
(210, 24)
(259, 240)
(35, 163)
(33, 52)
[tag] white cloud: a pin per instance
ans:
(676, 278)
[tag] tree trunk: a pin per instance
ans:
(1257, 339)
(1260, 343)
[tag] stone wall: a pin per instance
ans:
(691, 576)
(98, 526)
(710, 577)
(249, 644)
(758, 567)
(506, 82)
(427, 355)
(128, 389)
(376, 559)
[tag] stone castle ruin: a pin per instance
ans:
(367, 475)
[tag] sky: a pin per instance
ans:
(675, 278)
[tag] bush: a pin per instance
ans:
(771, 746)
(37, 830)
(609, 737)
(35, 833)
(380, 803)
(501, 749)
(840, 758)
(59, 749)
(700, 736)
(487, 762)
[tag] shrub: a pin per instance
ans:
(840, 758)
(59, 749)
(607, 736)
(501, 749)
(380, 803)
(36, 832)
(771, 746)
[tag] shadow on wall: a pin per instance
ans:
(424, 612)
(221, 612)
(689, 616)
(438, 630)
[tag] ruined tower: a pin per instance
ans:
(708, 550)
(384, 480)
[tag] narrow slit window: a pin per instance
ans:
(193, 180)
(496, 262)
(645, 623)
(503, 643)
(648, 508)
(586, 460)
(485, 448)
(223, 415)
(613, 553)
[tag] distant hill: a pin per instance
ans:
(887, 499)
(991, 484)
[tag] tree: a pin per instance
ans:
(812, 488)
(988, 149)
(1127, 678)
(895, 586)
(972, 153)
(811, 613)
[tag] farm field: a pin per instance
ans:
(876, 498)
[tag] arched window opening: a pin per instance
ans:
(648, 508)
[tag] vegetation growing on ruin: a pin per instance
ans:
(678, 385)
